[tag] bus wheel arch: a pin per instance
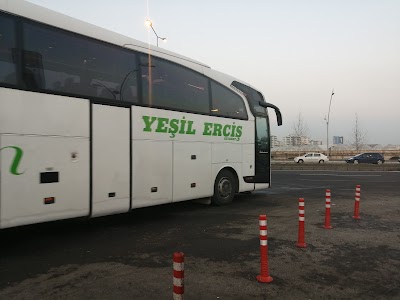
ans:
(226, 185)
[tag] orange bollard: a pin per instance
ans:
(328, 209)
(264, 276)
(178, 266)
(301, 239)
(357, 203)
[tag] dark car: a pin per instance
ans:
(368, 158)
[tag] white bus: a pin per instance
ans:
(94, 123)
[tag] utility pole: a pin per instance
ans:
(327, 124)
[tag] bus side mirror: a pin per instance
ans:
(277, 111)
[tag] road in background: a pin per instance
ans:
(335, 166)
(130, 256)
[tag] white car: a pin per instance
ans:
(318, 158)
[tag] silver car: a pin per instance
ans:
(318, 158)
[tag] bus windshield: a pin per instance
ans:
(253, 97)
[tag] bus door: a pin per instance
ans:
(262, 151)
(262, 138)
(110, 170)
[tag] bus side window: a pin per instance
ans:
(169, 85)
(128, 89)
(226, 103)
(66, 63)
(8, 51)
(28, 77)
(33, 75)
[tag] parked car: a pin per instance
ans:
(368, 158)
(311, 158)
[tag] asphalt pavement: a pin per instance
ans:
(129, 256)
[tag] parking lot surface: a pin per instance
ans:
(130, 256)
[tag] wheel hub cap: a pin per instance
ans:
(224, 187)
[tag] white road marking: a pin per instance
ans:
(340, 175)
(330, 180)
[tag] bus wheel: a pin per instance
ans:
(224, 188)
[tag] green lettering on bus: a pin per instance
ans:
(238, 131)
(162, 125)
(173, 127)
(217, 129)
(17, 159)
(148, 122)
(184, 126)
(207, 128)
(190, 130)
(225, 130)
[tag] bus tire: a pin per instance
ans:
(224, 188)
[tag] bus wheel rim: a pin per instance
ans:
(224, 187)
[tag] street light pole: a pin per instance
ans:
(149, 23)
(327, 124)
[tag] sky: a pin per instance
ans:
(294, 52)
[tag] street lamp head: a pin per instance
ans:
(149, 24)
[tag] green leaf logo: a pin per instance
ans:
(17, 159)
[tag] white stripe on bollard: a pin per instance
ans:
(179, 266)
(177, 282)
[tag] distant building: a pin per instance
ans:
(274, 141)
(337, 140)
(302, 140)
(288, 140)
(316, 143)
(292, 140)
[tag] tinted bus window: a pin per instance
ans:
(226, 103)
(8, 51)
(169, 85)
(63, 62)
